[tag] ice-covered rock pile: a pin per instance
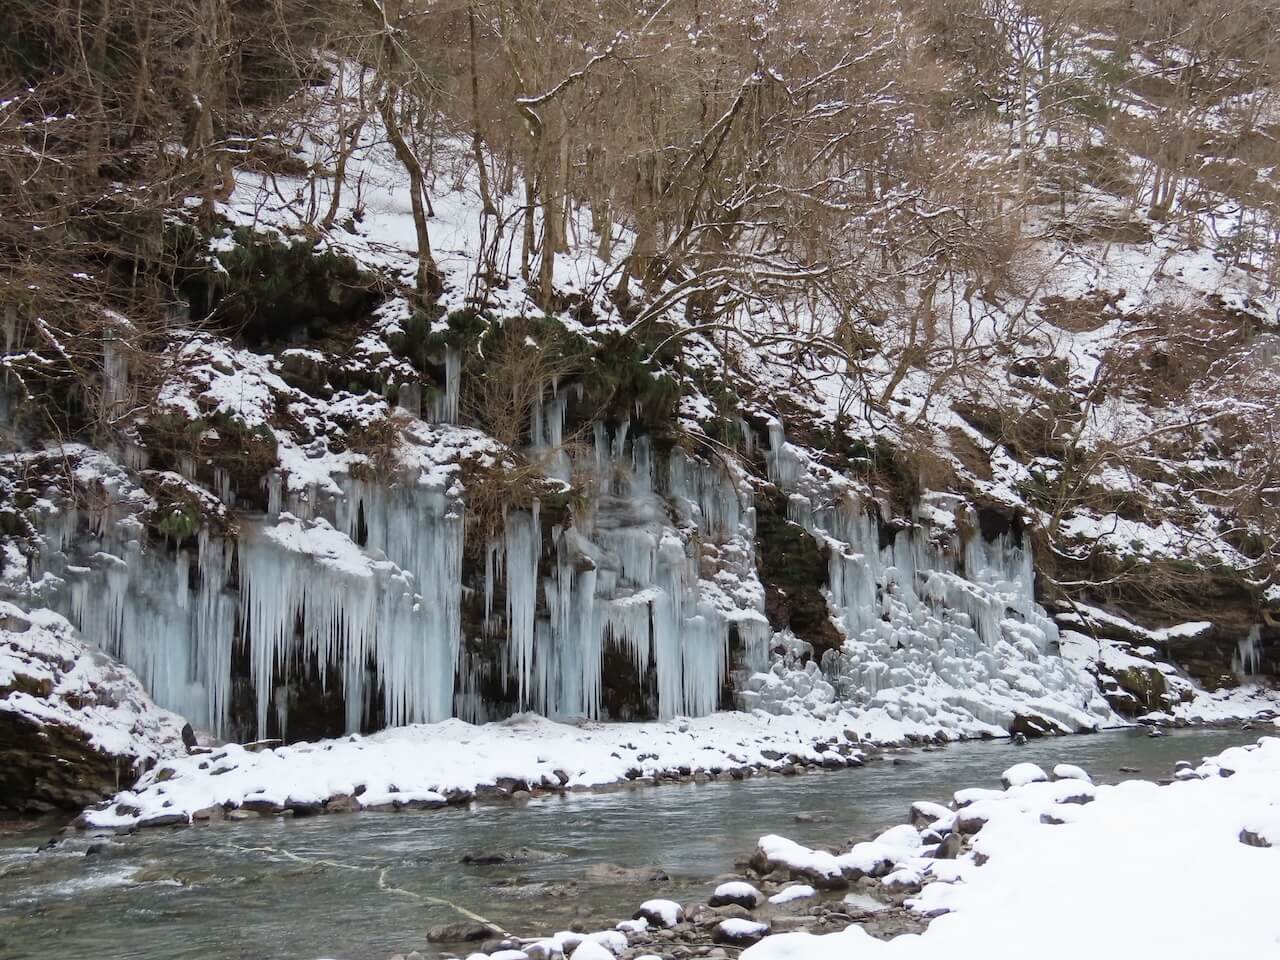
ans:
(943, 633)
(75, 726)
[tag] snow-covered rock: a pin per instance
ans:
(660, 913)
(738, 931)
(1022, 773)
(75, 723)
(1069, 771)
(589, 949)
(797, 891)
(736, 892)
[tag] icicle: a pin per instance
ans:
(409, 398)
(1248, 656)
(444, 405)
(115, 372)
(523, 542)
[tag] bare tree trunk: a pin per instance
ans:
(477, 149)
(429, 285)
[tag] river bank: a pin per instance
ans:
(351, 887)
(430, 766)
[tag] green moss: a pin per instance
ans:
(621, 383)
(270, 289)
(178, 522)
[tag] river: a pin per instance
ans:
(366, 886)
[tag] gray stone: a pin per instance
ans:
(950, 847)
(463, 931)
(612, 873)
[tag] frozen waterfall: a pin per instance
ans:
(931, 624)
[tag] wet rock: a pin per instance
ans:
(950, 847)
(463, 931)
(209, 814)
(488, 858)
(164, 820)
(262, 806)
(793, 924)
(242, 814)
(613, 873)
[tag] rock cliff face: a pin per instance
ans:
(337, 507)
(75, 727)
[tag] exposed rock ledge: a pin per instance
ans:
(75, 726)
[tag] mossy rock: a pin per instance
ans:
(275, 290)
(1146, 685)
(621, 381)
(794, 570)
(218, 441)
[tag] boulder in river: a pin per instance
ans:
(1021, 774)
(463, 931)
(736, 892)
(489, 858)
(613, 873)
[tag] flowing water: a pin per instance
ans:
(366, 886)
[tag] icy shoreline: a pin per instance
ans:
(450, 763)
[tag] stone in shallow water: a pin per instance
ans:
(1023, 773)
(463, 931)
(612, 873)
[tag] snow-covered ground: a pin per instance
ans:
(428, 764)
(1182, 870)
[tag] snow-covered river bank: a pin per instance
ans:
(286, 888)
